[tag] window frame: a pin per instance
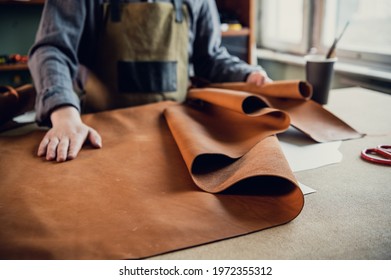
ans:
(314, 13)
(270, 43)
(352, 56)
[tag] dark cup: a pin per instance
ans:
(319, 73)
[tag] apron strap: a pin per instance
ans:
(178, 10)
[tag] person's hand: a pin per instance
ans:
(259, 78)
(68, 134)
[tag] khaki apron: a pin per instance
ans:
(142, 56)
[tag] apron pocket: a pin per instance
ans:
(147, 76)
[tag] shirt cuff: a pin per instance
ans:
(50, 100)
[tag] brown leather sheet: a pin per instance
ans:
(293, 97)
(135, 197)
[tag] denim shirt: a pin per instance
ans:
(67, 37)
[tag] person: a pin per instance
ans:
(122, 54)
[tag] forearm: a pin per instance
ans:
(222, 67)
(211, 60)
(53, 60)
(53, 83)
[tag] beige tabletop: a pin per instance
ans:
(349, 216)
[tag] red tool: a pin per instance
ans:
(381, 154)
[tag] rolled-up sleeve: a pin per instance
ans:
(53, 61)
(212, 61)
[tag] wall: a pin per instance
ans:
(18, 26)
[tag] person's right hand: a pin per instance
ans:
(258, 78)
(67, 135)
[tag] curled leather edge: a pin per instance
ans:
(292, 89)
(199, 149)
(258, 172)
(238, 101)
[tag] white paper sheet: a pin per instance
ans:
(306, 189)
(27, 117)
(303, 154)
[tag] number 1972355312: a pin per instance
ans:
(242, 270)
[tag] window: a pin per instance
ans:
(367, 38)
(366, 41)
(289, 34)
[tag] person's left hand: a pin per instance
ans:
(259, 78)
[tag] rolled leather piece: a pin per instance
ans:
(15, 101)
(135, 198)
(238, 101)
(292, 89)
(27, 96)
(306, 115)
(8, 101)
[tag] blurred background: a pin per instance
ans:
(273, 33)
